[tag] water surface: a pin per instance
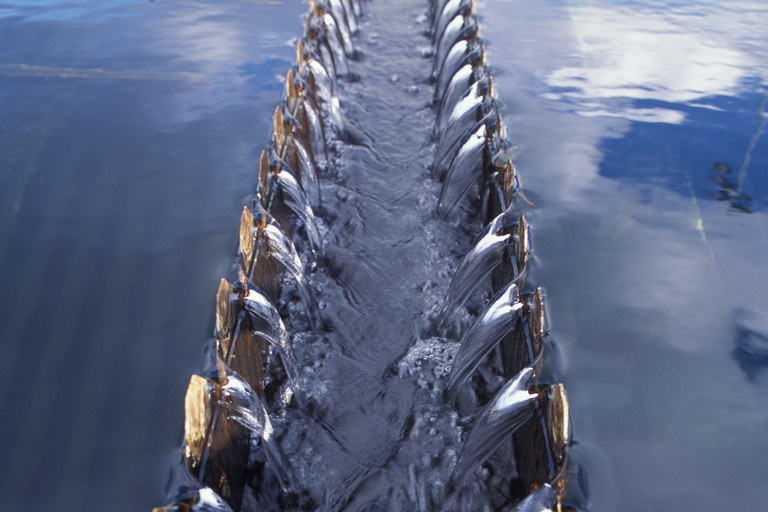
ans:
(644, 154)
(129, 132)
(128, 138)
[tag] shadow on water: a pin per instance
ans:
(751, 351)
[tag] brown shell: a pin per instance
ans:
(247, 239)
(291, 93)
(278, 128)
(225, 315)
(198, 414)
(300, 57)
(536, 319)
(264, 172)
(558, 423)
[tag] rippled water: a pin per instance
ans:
(129, 133)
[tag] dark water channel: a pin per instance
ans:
(129, 133)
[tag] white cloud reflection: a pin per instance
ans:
(651, 51)
(239, 55)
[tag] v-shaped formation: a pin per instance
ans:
(378, 346)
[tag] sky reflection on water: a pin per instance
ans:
(656, 52)
(657, 292)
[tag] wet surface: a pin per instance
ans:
(128, 145)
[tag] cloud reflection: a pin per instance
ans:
(224, 43)
(656, 293)
(655, 52)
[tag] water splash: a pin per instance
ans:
(346, 11)
(322, 47)
(336, 119)
(355, 7)
(456, 136)
(195, 497)
(464, 52)
(509, 409)
(448, 38)
(325, 82)
(458, 87)
(471, 100)
(209, 501)
(317, 135)
(296, 199)
(259, 307)
(335, 45)
(461, 27)
(453, 61)
(463, 173)
(486, 254)
(325, 90)
(499, 319)
(447, 13)
(540, 500)
(307, 172)
(280, 247)
(244, 406)
(337, 12)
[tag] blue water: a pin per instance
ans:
(657, 287)
(129, 133)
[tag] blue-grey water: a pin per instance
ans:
(129, 134)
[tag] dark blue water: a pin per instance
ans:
(129, 133)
